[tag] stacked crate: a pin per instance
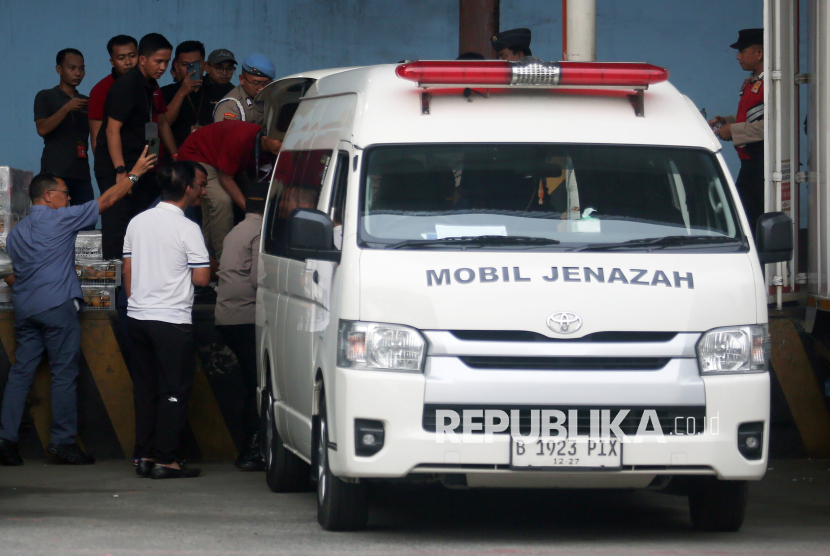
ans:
(14, 205)
(98, 277)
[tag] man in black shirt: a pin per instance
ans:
(191, 100)
(61, 119)
(134, 112)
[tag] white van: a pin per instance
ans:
(509, 274)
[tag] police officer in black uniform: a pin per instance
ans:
(513, 45)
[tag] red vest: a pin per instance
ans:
(751, 109)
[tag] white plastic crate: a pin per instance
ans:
(99, 298)
(88, 245)
(98, 273)
(5, 297)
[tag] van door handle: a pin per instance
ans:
(315, 277)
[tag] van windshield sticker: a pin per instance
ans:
(633, 276)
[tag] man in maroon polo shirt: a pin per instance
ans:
(123, 51)
(225, 149)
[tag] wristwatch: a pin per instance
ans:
(133, 178)
(120, 169)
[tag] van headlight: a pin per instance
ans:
(734, 349)
(372, 345)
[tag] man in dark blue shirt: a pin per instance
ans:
(47, 298)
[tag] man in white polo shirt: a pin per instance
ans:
(164, 257)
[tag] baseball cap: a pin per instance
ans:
(221, 55)
(259, 65)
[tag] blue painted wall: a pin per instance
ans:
(689, 38)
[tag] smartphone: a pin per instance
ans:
(193, 67)
(153, 146)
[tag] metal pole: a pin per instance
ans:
(580, 32)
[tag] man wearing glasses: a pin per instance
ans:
(239, 104)
(47, 298)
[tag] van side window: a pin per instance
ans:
(297, 181)
(338, 198)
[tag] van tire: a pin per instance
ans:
(717, 505)
(341, 506)
(284, 471)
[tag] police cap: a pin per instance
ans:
(513, 37)
(259, 65)
(748, 37)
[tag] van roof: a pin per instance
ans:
(389, 111)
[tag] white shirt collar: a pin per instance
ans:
(171, 207)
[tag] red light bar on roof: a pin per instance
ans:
(540, 74)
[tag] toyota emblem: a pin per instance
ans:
(564, 322)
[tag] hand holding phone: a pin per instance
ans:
(193, 71)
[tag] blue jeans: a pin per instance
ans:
(58, 332)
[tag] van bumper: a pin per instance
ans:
(397, 400)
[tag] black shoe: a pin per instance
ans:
(163, 472)
(144, 468)
(70, 453)
(8, 453)
(250, 458)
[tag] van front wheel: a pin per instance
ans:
(717, 505)
(341, 506)
(284, 471)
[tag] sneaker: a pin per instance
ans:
(70, 453)
(8, 453)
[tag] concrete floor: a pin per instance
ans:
(106, 510)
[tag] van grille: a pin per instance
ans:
(566, 363)
(688, 419)
(524, 336)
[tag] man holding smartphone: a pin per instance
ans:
(134, 116)
(191, 100)
(61, 119)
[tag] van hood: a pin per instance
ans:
(496, 290)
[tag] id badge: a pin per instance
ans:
(151, 131)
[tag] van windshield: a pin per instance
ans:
(549, 196)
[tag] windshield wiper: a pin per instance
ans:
(662, 242)
(477, 241)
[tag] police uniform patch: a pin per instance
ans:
(249, 101)
(229, 116)
(757, 86)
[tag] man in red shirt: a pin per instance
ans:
(746, 128)
(123, 51)
(225, 149)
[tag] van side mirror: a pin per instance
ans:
(310, 236)
(774, 237)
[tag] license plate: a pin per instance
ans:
(552, 452)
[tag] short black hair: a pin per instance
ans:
(190, 46)
(62, 55)
(153, 42)
(197, 167)
(525, 50)
(120, 40)
(42, 183)
(174, 179)
(471, 56)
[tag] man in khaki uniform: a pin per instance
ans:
(239, 104)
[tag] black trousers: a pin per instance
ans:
(163, 366)
(241, 339)
(114, 220)
(750, 186)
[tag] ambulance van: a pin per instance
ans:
(509, 274)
